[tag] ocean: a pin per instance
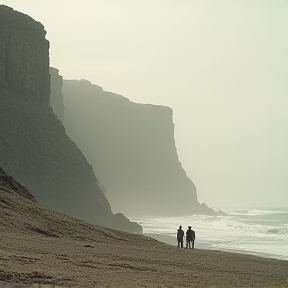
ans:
(252, 231)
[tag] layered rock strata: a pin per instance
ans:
(24, 65)
(34, 147)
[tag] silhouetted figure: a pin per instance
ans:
(190, 237)
(180, 236)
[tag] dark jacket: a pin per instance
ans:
(190, 235)
(180, 234)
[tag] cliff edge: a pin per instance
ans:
(132, 149)
(35, 149)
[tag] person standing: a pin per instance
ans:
(190, 237)
(180, 236)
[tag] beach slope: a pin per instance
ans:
(41, 246)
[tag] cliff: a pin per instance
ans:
(24, 65)
(16, 201)
(9, 184)
(56, 96)
(35, 149)
(132, 149)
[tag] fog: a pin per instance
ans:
(222, 66)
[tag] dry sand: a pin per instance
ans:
(40, 246)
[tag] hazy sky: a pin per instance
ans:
(222, 65)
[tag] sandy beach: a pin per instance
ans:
(40, 246)
(199, 245)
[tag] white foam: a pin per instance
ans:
(248, 231)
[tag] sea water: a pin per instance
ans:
(253, 231)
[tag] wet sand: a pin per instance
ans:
(172, 241)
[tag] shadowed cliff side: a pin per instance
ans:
(34, 146)
(9, 184)
(56, 96)
(132, 149)
(24, 65)
(21, 213)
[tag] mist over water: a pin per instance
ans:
(251, 231)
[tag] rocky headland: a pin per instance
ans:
(34, 147)
(132, 149)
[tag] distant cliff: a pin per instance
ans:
(56, 96)
(132, 149)
(34, 147)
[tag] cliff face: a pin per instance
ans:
(8, 184)
(16, 201)
(24, 65)
(35, 149)
(56, 96)
(132, 149)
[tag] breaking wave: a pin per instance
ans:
(253, 231)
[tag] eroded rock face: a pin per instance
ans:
(24, 57)
(132, 149)
(35, 149)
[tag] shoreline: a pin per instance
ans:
(130, 263)
(49, 248)
(170, 240)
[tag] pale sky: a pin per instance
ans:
(221, 65)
